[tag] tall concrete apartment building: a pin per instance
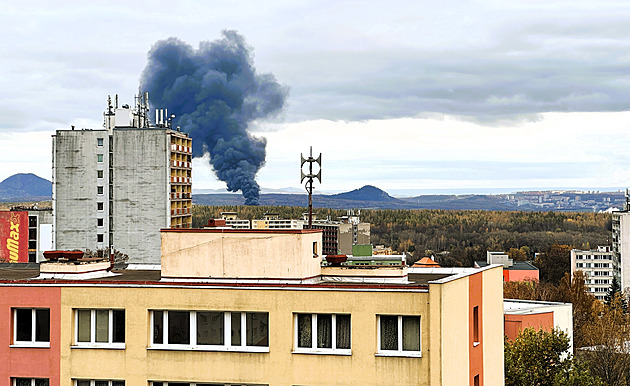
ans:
(118, 186)
(600, 267)
(621, 244)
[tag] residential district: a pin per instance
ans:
(269, 301)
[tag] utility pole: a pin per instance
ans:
(309, 182)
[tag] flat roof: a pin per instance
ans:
(232, 230)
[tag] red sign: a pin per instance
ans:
(14, 236)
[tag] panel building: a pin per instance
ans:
(116, 187)
(600, 268)
(621, 244)
(248, 307)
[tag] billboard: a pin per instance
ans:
(14, 236)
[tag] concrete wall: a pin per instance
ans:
(141, 200)
(240, 253)
(75, 184)
(279, 367)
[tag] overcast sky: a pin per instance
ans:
(460, 96)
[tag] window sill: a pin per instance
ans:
(409, 354)
(253, 349)
(31, 345)
(323, 352)
(100, 346)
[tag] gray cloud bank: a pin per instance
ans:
(486, 61)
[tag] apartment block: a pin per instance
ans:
(245, 307)
(600, 267)
(116, 187)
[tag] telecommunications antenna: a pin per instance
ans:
(309, 180)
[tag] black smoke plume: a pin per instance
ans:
(215, 93)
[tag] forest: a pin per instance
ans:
(457, 237)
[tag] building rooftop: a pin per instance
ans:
(518, 266)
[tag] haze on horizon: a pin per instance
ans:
(485, 96)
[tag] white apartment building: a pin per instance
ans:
(599, 266)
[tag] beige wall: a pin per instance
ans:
(493, 326)
(240, 254)
(136, 364)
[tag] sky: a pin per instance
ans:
(411, 97)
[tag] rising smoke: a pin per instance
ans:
(215, 93)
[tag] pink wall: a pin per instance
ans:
(519, 275)
(514, 324)
(29, 362)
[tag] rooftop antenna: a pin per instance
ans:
(309, 180)
(626, 206)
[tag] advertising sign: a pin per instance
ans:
(14, 236)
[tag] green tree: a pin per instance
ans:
(615, 292)
(540, 358)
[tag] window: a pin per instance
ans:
(99, 174)
(210, 330)
(30, 382)
(399, 335)
(202, 384)
(31, 327)
(100, 328)
(99, 222)
(99, 142)
(99, 206)
(99, 238)
(99, 158)
(315, 249)
(86, 382)
(99, 190)
(475, 325)
(322, 333)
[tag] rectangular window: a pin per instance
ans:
(31, 327)
(399, 335)
(476, 324)
(99, 206)
(322, 333)
(99, 238)
(88, 382)
(99, 174)
(99, 158)
(315, 249)
(99, 190)
(210, 330)
(99, 142)
(99, 222)
(30, 381)
(100, 328)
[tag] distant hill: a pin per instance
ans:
(366, 193)
(371, 197)
(25, 187)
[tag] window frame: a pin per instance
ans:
(399, 352)
(99, 142)
(92, 382)
(193, 346)
(110, 344)
(14, 380)
(29, 343)
(314, 349)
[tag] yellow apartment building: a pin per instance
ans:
(247, 307)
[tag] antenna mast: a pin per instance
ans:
(309, 182)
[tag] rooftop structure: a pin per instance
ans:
(512, 270)
(116, 187)
(254, 308)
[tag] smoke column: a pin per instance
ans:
(215, 93)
